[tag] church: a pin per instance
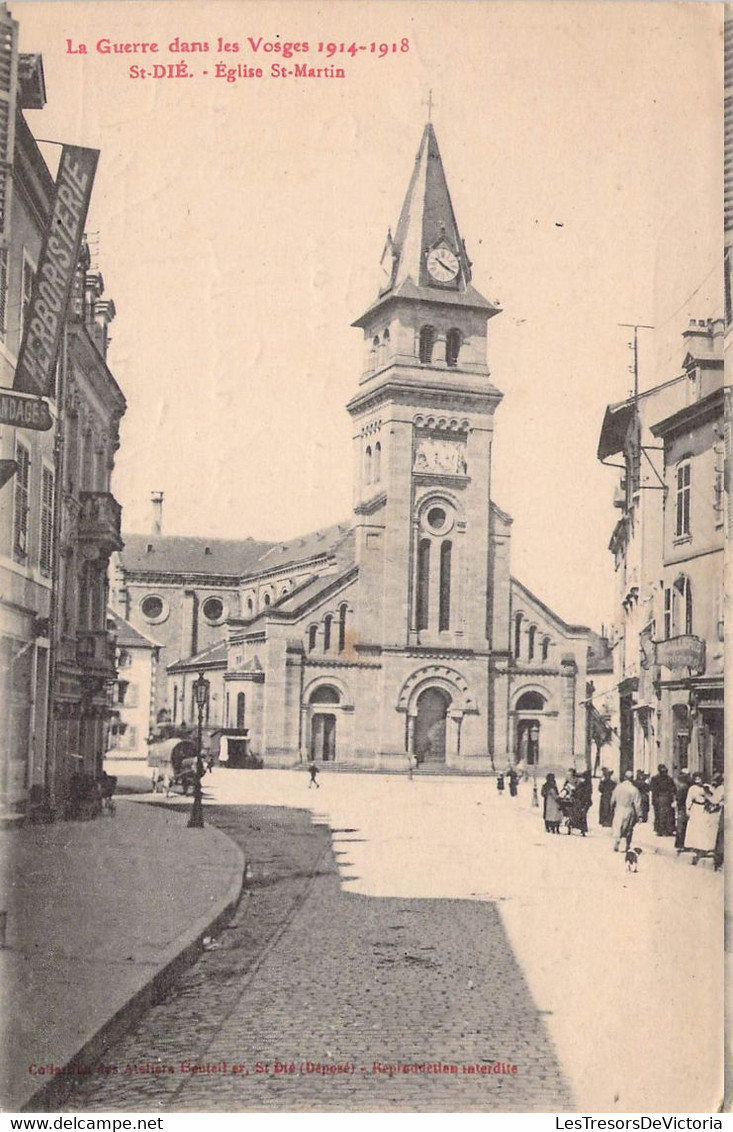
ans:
(401, 633)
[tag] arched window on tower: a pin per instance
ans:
(312, 637)
(444, 602)
(517, 634)
(240, 710)
(342, 627)
(377, 463)
(427, 341)
(368, 464)
(423, 583)
(374, 353)
(545, 648)
(327, 632)
(382, 353)
(530, 641)
(452, 347)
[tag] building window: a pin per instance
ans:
(250, 605)
(240, 710)
(124, 659)
(342, 628)
(26, 290)
(427, 342)
(545, 648)
(517, 634)
(21, 503)
(213, 609)
(423, 583)
(312, 637)
(327, 632)
(268, 599)
(667, 614)
(444, 597)
(530, 641)
(175, 702)
(452, 347)
(682, 606)
(3, 292)
(368, 464)
(45, 557)
(377, 462)
(153, 608)
(682, 505)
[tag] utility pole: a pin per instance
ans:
(636, 327)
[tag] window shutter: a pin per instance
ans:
(46, 551)
(8, 98)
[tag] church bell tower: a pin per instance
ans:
(423, 425)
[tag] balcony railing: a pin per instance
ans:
(100, 519)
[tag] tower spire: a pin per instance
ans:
(427, 219)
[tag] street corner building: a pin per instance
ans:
(59, 523)
(399, 634)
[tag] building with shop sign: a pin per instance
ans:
(58, 521)
(668, 546)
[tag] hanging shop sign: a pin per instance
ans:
(46, 314)
(24, 412)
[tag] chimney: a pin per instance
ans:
(157, 498)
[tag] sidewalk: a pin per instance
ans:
(101, 915)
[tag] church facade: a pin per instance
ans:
(400, 634)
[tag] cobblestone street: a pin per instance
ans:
(308, 973)
(432, 923)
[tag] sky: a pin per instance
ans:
(239, 227)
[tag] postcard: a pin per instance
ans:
(362, 525)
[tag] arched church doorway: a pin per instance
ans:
(323, 724)
(527, 742)
(432, 711)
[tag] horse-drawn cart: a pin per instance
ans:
(173, 763)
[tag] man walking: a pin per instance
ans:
(626, 807)
(313, 772)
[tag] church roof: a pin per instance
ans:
(233, 559)
(315, 543)
(213, 656)
(184, 554)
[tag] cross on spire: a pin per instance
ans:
(430, 105)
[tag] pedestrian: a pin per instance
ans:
(500, 783)
(626, 807)
(313, 772)
(663, 792)
(551, 809)
(641, 784)
(606, 787)
(579, 802)
(704, 810)
(684, 781)
(513, 781)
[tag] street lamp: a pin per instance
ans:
(534, 734)
(201, 698)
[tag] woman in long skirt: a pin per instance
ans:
(704, 804)
(551, 810)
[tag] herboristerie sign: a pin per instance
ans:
(51, 287)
